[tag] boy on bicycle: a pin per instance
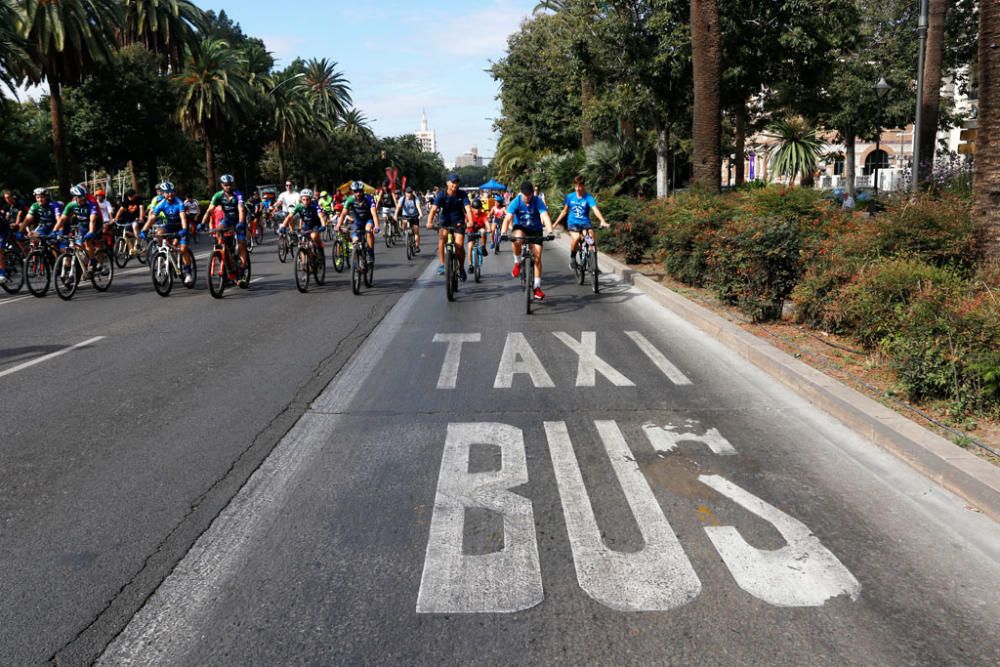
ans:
(477, 225)
(528, 215)
(578, 206)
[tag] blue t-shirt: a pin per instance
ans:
(529, 215)
(170, 211)
(451, 208)
(579, 209)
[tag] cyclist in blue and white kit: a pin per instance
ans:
(456, 215)
(529, 216)
(578, 206)
(174, 221)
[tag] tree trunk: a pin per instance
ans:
(741, 144)
(586, 131)
(133, 176)
(281, 163)
(986, 174)
(930, 104)
(152, 175)
(849, 156)
(58, 147)
(210, 162)
(662, 160)
(706, 165)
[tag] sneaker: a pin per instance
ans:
(572, 263)
(516, 271)
(539, 294)
(440, 269)
(188, 279)
(242, 283)
(416, 250)
(3, 278)
(471, 268)
(462, 274)
(485, 251)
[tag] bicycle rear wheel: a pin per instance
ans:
(15, 272)
(104, 271)
(409, 244)
(121, 252)
(217, 274)
(528, 271)
(282, 248)
(302, 266)
(66, 274)
(450, 277)
(369, 270)
(142, 251)
(339, 255)
(477, 263)
(319, 266)
(582, 259)
(37, 273)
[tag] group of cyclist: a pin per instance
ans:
(450, 210)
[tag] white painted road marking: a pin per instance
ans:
(47, 357)
(518, 357)
(505, 581)
(803, 573)
(665, 439)
(453, 356)
(590, 364)
(672, 372)
(657, 577)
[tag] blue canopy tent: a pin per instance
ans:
(493, 185)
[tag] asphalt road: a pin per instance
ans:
(596, 483)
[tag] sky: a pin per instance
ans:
(400, 57)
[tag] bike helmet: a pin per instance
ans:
(41, 191)
(227, 179)
(306, 192)
(78, 191)
(167, 186)
(324, 194)
(476, 202)
(357, 186)
(100, 193)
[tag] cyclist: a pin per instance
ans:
(497, 214)
(234, 214)
(157, 198)
(478, 220)
(456, 215)
(252, 206)
(174, 221)
(528, 214)
(386, 205)
(86, 216)
(311, 218)
(267, 208)
(288, 199)
(129, 214)
(192, 209)
(44, 213)
(361, 207)
(578, 206)
(408, 210)
(11, 212)
(325, 202)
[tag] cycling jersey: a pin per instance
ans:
(579, 210)
(230, 205)
(45, 215)
(360, 207)
(80, 214)
(326, 203)
(131, 212)
(527, 216)
(308, 215)
(409, 208)
(171, 212)
(386, 200)
(451, 208)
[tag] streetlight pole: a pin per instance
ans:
(881, 88)
(922, 34)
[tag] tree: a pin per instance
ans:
(354, 123)
(706, 58)
(986, 174)
(15, 62)
(67, 39)
(168, 28)
(329, 89)
(211, 90)
(290, 109)
(797, 148)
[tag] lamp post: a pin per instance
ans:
(881, 88)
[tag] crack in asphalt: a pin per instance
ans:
(321, 374)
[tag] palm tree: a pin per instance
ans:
(706, 57)
(931, 101)
(986, 174)
(329, 89)
(257, 63)
(67, 39)
(15, 62)
(797, 148)
(211, 91)
(292, 113)
(168, 28)
(354, 122)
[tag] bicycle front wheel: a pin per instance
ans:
(339, 258)
(163, 274)
(217, 274)
(37, 273)
(302, 266)
(528, 272)
(595, 282)
(319, 266)
(15, 272)
(450, 277)
(121, 252)
(104, 271)
(409, 244)
(282, 248)
(356, 271)
(67, 275)
(477, 263)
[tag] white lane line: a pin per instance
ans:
(15, 300)
(660, 361)
(29, 364)
(169, 624)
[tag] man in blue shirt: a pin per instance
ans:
(456, 214)
(174, 221)
(530, 218)
(578, 206)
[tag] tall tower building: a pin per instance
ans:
(426, 136)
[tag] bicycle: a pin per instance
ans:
(256, 230)
(225, 266)
(361, 267)
(339, 245)
(38, 264)
(287, 244)
(410, 239)
(527, 262)
(15, 266)
(497, 237)
(166, 262)
(309, 261)
(73, 264)
(120, 249)
(452, 269)
(586, 261)
(476, 256)
(390, 230)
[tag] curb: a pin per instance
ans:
(962, 473)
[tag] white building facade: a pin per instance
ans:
(426, 136)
